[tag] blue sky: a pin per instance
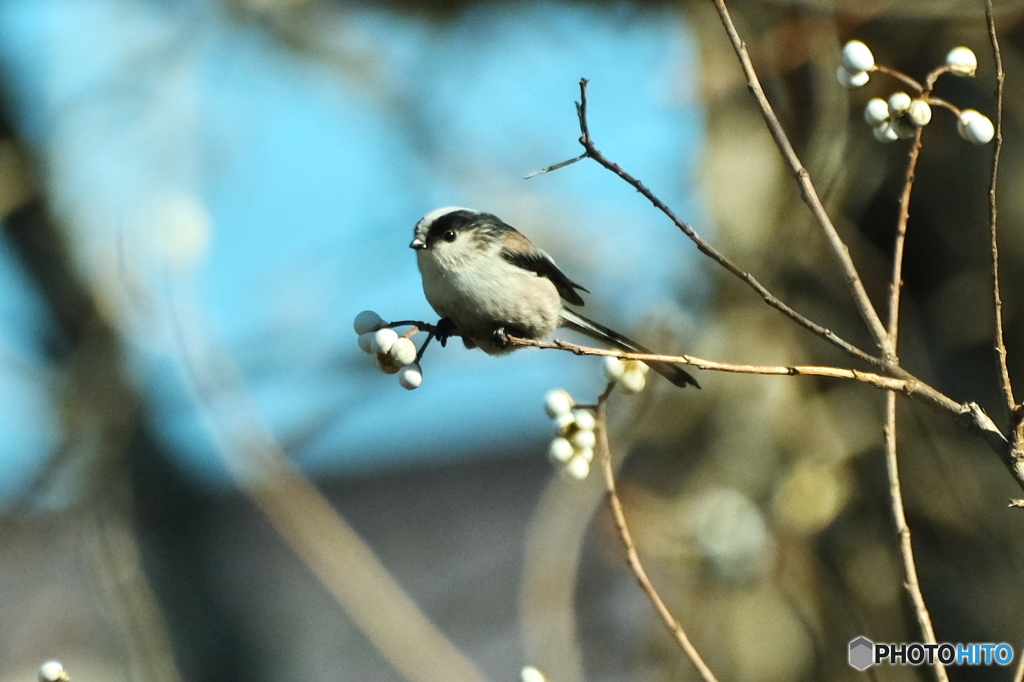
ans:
(202, 166)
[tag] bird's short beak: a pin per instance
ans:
(418, 244)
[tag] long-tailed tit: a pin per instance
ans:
(488, 280)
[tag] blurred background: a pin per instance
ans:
(199, 196)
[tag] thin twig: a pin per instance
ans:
(615, 503)
(555, 167)
(906, 548)
(807, 191)
(891, 461)
(704, 246)
(1004, 372)
(896, 281)
(907, 384)
(898, 75)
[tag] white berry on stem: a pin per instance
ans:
(410, 377)
(382, 340)
(962, 61)
(975, 127)
(857, 57)
(368, 321)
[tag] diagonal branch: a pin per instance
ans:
(703, 245)
(807, 191)
(615, 503)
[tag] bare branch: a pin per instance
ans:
(907, 384)
(704, 246)
(906, 548)
(555, 167)
(631, 554)
(970, 415)
(896, 282)
(1000, 346)
(807, 191)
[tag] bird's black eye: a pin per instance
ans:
(449, 235)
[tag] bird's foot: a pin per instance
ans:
(500, 338)
(444, 330)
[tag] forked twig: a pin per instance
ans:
(615, 503)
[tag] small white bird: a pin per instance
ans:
(487, 280)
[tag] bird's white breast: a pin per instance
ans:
(480, 291)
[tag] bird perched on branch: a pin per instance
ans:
(488, 281)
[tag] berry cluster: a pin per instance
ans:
(573, 446)
(394, 354)
(631, 375)
(902, 114)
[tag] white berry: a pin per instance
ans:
(920, 112)
(584, 439)
(564, 421)
(857, 57)
(560, 451)
(876, 112)
(382, 340)
(52, 671)
(851, 79)
(531, 674)
(403, 351)
(585, 420)
(368, 321)
(613, 368)
(557, 402)
(962, 61)
(366, 342)
(410, 377)
(885, 133)
(899, 102)
(578, 468)
(632, 382)
(975, 127)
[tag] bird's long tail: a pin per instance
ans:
(674, 373)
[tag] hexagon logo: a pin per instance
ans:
(862, 653)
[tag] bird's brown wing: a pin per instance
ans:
(533, 259)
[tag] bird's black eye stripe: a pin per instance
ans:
(449, 235)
